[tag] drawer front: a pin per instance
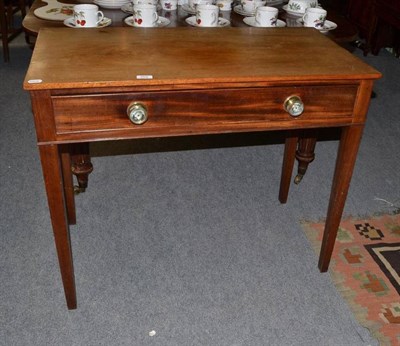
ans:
(204, 111)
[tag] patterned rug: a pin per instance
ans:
(365, 268)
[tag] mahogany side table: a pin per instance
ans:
(191, 86)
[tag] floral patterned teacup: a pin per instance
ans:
(87, 15)
(193, 3)
(145, 15)
(169, 5)
(314, 18)
(266, 16)
(300, 6)
(207, 15)
(250, 6)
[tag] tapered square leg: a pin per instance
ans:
(52, 172)
(345, 161)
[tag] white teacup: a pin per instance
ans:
(224, 5)
(266, 16)
(87, 15)
(193, 3)
(300, 6)
(250, 6)
(314, 18)
(145, 15)
(207, 15)
(169, 5)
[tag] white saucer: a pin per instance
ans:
(239, 10)
(293, 13)
(252, 22)
(328, 25)
(222, 22)
(161, 22)
(188, 9)
(70, 22)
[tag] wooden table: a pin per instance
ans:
(196, 88)
(81, 164)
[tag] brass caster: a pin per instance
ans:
(78, 190)
(298, 178)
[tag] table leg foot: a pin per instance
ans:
(81, 166)
(305, 153)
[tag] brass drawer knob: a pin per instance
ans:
(137, 113)
(294, 105)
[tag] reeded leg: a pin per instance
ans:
(53, 179)
(81, 165)
(287, 166)
(305, 153)
(347, 153)
(68, 184)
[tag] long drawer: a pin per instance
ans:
(204, 111)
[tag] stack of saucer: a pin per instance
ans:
(111, 3)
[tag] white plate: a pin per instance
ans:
(161, 22)
(293, 13)
(70, 23)
(111, 4)
(55, 10)
(222, 22)
(252, 22)
(328, 25)
(188, 9)
(239, 10)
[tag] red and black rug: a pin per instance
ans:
(365, 268)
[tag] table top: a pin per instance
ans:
(345, 31)
(182, 57)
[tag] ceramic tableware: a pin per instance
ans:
(169, 5)
(145, 15)
(300, 6)
(161, 22)
(87, 15)
(251, 21)
(314, 17)
(249, 6)
(207, 15)
(224, 5)
(266, 16)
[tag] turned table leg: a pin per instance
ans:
(305, 153)
(287, 165)
(68, 184)
(81, 165)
